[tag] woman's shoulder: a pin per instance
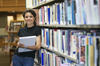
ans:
(22, 28)
(38, 28)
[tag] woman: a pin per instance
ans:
(30, 29)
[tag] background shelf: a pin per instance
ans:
(37, 62)
(71, 26)
(47, 3)
(12, 32)
(4, 51)
(62, 54)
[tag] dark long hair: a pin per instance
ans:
(33, 13)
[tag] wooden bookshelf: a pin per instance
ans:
(5, 51)
(18, 21)
(5, 43)
(61, 54)
(11, 44)
(12, 32)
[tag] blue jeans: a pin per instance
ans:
(22, 61)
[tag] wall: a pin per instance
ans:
(2, 31)
(12, 5)
(20, 17)
(3, 22)
(17, 17)
(9, 6)
(3, 19)
(9, 18)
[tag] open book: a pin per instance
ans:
(28, 41)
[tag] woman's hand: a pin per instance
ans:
(20, 45)
(11, 64)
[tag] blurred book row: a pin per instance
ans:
(12, 28)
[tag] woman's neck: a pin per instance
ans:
(30, 25)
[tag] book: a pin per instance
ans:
(65, 64)
(91, 52)
(79, 65)
(29, 4)
(28, 41)
(37, 16)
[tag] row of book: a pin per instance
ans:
(33, 3)
(53, 14)
(6, 48)
(57, 38)
(12, 28)
(47, 58)
(71, 12)
(21, 23)
(10, 39)
(78, 44)
(52, 59)
(39, 2)
(88, 55)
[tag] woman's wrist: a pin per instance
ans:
(25, 47)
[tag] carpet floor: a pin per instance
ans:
(4, 59)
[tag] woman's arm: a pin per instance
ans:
(35, 47)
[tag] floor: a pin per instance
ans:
(4, 59)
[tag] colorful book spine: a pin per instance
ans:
(73, 13)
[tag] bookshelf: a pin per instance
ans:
(37, 62)
(10, 41)
(84, 29)
(46, 3)
(12, 30)
(59, 53)
(5, 51)
(30, 4)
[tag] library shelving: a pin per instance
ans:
(59, 53)
(5, 51)
(75, 24)
(46, 3)
(72, 26)
(10, 41)
(36, 61)
(12, 31)
(31, 3)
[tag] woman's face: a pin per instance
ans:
(29, 18)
